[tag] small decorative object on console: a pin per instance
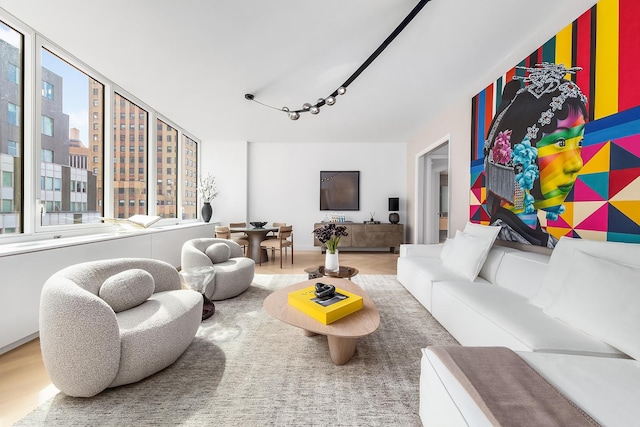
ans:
(394, 206)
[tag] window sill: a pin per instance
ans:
(105, 233)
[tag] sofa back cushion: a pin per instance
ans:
(469, 249)
(127, 289)
(492, 263)
(446, 248)
(601, 298)
(561, 261)
(522, 272)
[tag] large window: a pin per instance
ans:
(11, 130)
(68, 104)
(128, 119)
(67, 129)
(189, 149)
(167, 200)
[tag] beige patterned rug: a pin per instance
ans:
(247, 369)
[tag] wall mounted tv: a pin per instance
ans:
(339, 190)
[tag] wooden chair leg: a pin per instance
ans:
(280, 256)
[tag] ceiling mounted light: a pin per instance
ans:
(331, 99)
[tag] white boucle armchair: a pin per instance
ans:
(88, 345)
(233, 272)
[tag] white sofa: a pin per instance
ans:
(580, 338)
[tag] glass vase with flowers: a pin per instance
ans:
(330, 235)
(207, 191)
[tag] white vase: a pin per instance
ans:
(331, 262)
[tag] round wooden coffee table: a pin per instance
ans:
(341, 334)
(345, 272)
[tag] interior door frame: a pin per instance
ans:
(428, 167)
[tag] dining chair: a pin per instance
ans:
(284, 239)
(222, 232)
(240, 238)
(274, 234)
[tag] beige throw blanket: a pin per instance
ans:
(508, 390)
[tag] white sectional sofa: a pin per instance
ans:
(573, 316)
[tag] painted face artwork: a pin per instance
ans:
(560, 160)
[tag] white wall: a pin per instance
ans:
(227, 161)
(456, 123)
(284, 182)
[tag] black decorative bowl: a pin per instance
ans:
(258, 224)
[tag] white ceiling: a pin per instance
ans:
(193, 61)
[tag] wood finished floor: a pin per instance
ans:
(24, 383)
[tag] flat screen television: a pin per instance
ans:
(339, 190)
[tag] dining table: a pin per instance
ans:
(256, 235)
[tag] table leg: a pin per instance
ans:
(254, 251)
(341, 349)
(208, 307)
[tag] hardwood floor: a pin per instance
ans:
(24, 383)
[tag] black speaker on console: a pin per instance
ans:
(394, 206)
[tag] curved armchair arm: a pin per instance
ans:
(190, 257)
(193, 257)
(79, 338)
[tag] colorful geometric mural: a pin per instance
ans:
(604, 203)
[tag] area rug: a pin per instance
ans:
(245, 368)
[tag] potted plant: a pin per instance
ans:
(330, 235)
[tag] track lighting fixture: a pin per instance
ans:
(331, 99)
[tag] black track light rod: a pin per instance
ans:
(331, 99)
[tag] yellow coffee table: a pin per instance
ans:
(341, 334)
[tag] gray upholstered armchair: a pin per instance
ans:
(114, 322)
(233, 272)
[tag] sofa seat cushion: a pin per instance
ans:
(483, 314)
(417, 275)
(607, 389)
(154, 334)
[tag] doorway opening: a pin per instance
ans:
(432, 193)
